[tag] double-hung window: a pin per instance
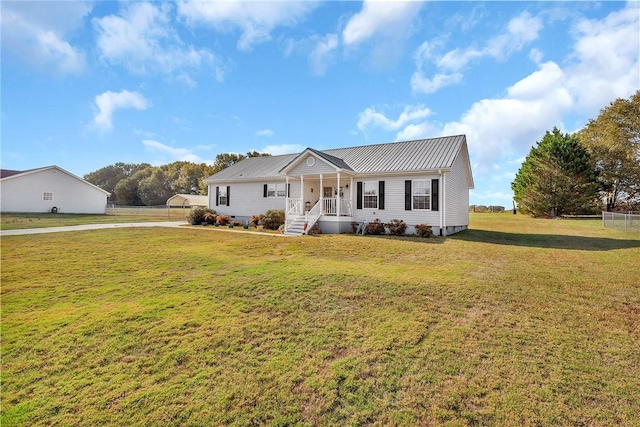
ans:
(370, 194)
(222, 196)
(271, 190)
(280, 189)
(421, 194)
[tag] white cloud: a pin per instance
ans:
(605, 59)
(265, 132)
(175, 154)
(422, 84)
(108, 102)
(521, 30)
(256, 20)
(322, 54)
(380, 17)
(416, 131)
(142, 39)
(276, 150)
(370, 118)
(36, 32)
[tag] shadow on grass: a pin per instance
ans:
(551, 241)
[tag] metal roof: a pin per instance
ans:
(408, 156)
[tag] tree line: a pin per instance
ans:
(141, 184)
(595, 168)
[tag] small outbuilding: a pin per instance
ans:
(49, 189)
(187, 200)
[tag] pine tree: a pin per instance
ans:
(557, 178)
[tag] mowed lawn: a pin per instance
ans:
(514, 322)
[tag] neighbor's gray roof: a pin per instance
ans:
(419, 155)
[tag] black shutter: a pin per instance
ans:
(359, 195)
(288, 190)
(435, 200)
(381, 195)
(217, 195)
(407, 195)
(264, 192)
(228, 194)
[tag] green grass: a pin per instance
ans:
(14, 221)
(515, 322)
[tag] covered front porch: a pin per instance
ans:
(324, 198)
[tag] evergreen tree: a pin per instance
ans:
(558, 177)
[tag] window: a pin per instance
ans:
(370, 194)
(327, 192)
(222, 196)
(275, 190)
(47, 196)
(421, 194)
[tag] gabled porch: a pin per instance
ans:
(323, 198)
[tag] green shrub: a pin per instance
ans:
(424, 230)
(223, 219)
(272, 219)
(374, 227)
(397, 227)
(198, 214)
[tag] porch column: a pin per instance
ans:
(351, 196)
(321, 198)
(338, 201)
(286, 193)
(301, 208)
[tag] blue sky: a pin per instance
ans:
(89, 84)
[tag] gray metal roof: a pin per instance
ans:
(408, 156)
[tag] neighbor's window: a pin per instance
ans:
(370, 194)
(280, 189)
(47, 196)
(222, 196)
(421, 194)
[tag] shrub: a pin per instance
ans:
(236, 223)
(315, 230)
(210, 217)
(272, 219)
(424, 230)
(255, 219)
(397, 227)
(198, 214)
(223, 219)
(375, 227)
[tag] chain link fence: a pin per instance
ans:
(627, 222)
(160, 213)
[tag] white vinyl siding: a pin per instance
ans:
(320, 166)
(456, 195)
(394, 204)
(247, 198)
(42, 190)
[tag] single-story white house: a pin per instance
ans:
(49, 189)
(424, 181)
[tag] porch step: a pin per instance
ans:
(296, 228)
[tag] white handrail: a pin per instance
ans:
(312, 216)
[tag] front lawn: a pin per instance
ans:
(515, 322)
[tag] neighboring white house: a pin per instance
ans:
(49, 189)
(424, 181)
